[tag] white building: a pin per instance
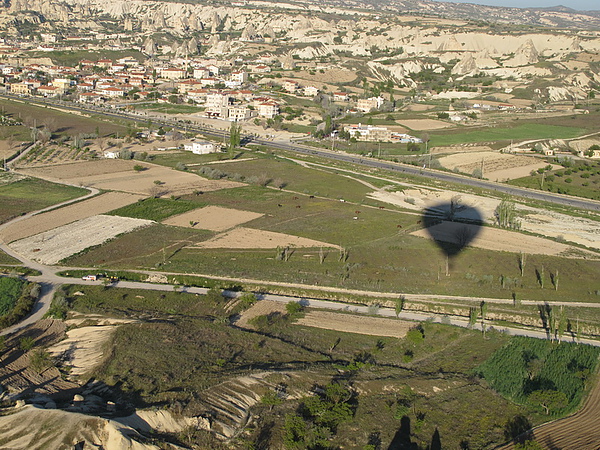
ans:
(239, 113)
(268, 110)
(367, 104)
(200, 147)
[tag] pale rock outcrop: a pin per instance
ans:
(525, 55)
(450, 45)
(485, 61)
(466, 66)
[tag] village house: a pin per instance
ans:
(367, 104)
(369, 133)
(200, 147)
(239, 76)
(22, 88)
(217, 104)
(268, 110)
(49, 91)
(173, 73)
(261, 68)
(341, 97)
(290, 86)
(239, 113)
(310, 91)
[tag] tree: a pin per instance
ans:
(139, 168)
(550, 400)
(506, 215)
(235, 133)
(399, 306)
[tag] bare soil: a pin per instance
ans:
(349, 323)
(496, 166)
(52, 246)
(70, 213)
(119, 175)
(212, 218)
(498, 240)
(251, 238)
(424, 124)
(261, 308)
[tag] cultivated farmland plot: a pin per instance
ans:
(70, 213)
(52, 246)
(499, 240)
(120, 175)
(348, 323)
(212, 218)
(249, 238)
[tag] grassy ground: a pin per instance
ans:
(65, 123)
(194, 349)
(23, 196)
(169, 108)
(518, 132)
(7, 259)
(156, 209)
(581, 180)
(72, 58)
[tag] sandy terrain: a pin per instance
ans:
(498, 240)
(250, 238)
(260, 308)
(84, 347)
(119, 175)
(348, 323)
(496, 166)
(15, 373)
(424, 124)
(52, 246)
(574, 229)
(64, 430)
(212, 218)
(330, 76)
(62, 216)
(8, 149)
(460, 149)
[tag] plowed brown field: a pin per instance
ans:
(71, 213)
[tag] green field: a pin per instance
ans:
(169, 108)
(63, 123)
(10, 291)
(581, 180)
(518, 132)
(23, 196)
(157, 209)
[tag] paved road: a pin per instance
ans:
(504, 189)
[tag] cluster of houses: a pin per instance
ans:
(379, 134)
(105, 80)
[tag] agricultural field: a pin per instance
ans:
(392, 382)
(52, 246)
(581, 179)
(59, 122)
(50, 220)
(20, 195)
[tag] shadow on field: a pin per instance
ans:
(452, 226)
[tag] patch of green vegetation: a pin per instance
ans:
(73, 57)
(521, 131)
(581, 179)
(16, 300)
(23, 196)
(541, 373)
(147, 248)
(157, 209)
(10, 290)
(6, 259)
(64, 123)
(169, 108)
